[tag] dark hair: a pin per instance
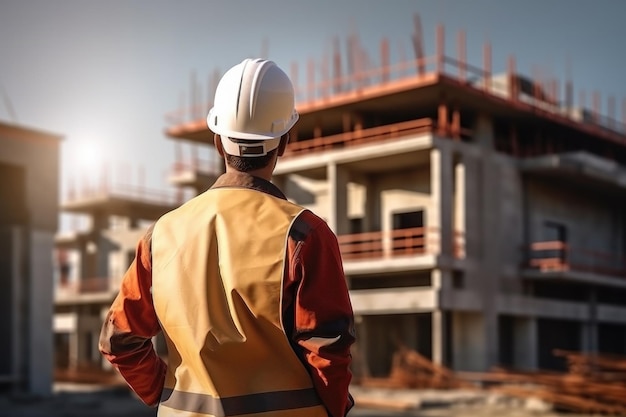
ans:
(247, 164)
(253, 163)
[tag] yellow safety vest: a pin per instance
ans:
(217, 271)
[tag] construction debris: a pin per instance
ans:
(409, 369)
(593, 383)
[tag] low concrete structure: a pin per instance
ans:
(90, 265)
(29, 188)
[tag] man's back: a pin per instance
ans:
(218, 264)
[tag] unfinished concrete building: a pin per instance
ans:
(481, 217)
(90, 265)
(29, 187)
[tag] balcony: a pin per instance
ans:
(121, 200)
(557, 259)
(86, 290)
(361, 137)
(414, 248)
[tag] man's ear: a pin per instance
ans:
(284, 140)
(217, 141)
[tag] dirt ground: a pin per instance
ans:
(120, 403)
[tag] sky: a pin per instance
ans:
(103, 74)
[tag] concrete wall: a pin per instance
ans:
(489, 212)
(468, 349)
(403, 192)
(594, 219)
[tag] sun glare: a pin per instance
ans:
(88, 156)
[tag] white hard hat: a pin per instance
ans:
(254, 101)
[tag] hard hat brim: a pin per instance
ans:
(248, 136)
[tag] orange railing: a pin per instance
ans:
(375, 134)
(400, 242)
(557, 255)
(133, 192)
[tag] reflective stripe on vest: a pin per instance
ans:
(243, 404)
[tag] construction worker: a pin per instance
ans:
(247, 287)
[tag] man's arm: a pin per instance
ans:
(125, 339)
(324, 321)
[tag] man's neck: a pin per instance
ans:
(264, 173)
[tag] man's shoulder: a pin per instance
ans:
(306, 223)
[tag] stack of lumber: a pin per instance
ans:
(593, 383)
(411, 370)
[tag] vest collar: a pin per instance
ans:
(245, 180)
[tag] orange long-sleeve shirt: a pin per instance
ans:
(317, 314)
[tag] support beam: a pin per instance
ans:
(443, 125)
(338, 178)
(440, 48)
(439, 337)
(455, 129)
(440, 217)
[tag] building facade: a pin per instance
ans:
(29, 186)
(480, 217)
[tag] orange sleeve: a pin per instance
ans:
(126, 336)
(324, 321)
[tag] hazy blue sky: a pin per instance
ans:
(104, 73)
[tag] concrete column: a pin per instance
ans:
(589, 337)
(439, 337)
(361, 345)
(410, 330)
(458, 228)
(468, 332)
(525, 343)
(439, 221)
(492, 346)
(372, 220)
(589, 330)
(441, 279)
(338, 178)
(40, 313)
(74, 348)
(483, 131)
(487, 277)
(472, 205)
(439, 218)
(11, 307)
